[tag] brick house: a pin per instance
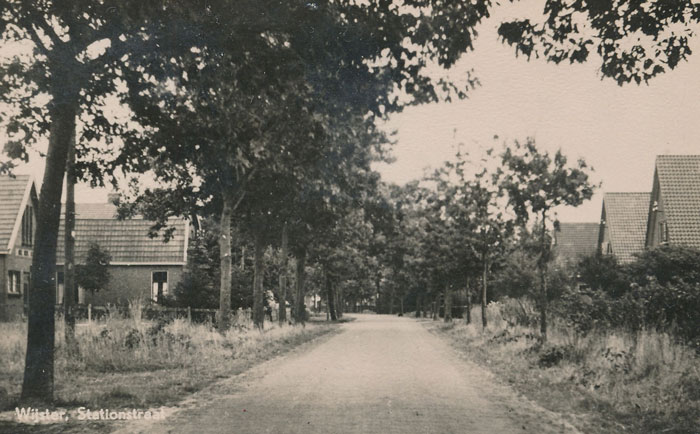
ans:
(572, 241)
(623, 224)
(18, 204)
(141, 267)
(674, 208)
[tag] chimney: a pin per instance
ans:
(113, 198)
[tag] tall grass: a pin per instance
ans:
(647, 376)
(114, 355)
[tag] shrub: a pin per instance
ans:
(672, 307)
(666, 264)
(603, 273)
(585, 310)
(552, 355)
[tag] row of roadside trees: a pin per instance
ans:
(263, 113)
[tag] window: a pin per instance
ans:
(13, 282)
(663, 232)
(59, 287)
(159, 285)
(28, 227)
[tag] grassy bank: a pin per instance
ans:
(124, 363)
(607, 382)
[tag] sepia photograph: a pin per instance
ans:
(350, 216)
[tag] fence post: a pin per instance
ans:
(189, 314)
(89, 312)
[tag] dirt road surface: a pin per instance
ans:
(381, 374)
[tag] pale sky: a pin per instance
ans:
(617, 130)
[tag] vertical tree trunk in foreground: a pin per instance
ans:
(483, 292)
(330, 297)
(469, 302)
(38, 379)
(69, 249)
(543, 282)
(224, 314)
(391, 302)
(282, 315)
(258, 296)
(300, 308)
(340, 303)
(448, 303)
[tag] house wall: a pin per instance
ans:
(12, 306)
(130, 282)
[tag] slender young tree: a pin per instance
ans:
(536, 183)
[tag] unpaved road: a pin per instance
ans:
(381, 374)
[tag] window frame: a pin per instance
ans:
(14, 282)
(154, 291)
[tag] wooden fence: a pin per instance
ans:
(152, 312)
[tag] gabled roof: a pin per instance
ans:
(574, 240)
(127, 241)
(14, 194)
(679, 184)
(626, 219)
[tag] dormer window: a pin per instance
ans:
(28, 227)
(663, 232)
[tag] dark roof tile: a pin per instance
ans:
(574, 240)
(12, 191)
(679, 183)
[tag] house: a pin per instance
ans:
(572, 241)
(623, 224)
(18, 204)
(141, 267)
(674, 208)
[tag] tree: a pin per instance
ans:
(77, 51)
(537, 182)
(636, 40)
(69, 243)
(199, 286)
(468, 201)
(94, 274)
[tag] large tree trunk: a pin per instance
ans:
(483, 292)
(299, 310)
(282, 296)
(340, 305)
(258, 296)
(330, 297)
(448, 303)
(418, 305)
(39, 363)
(69, 249)
(224, 314)
(401, 305)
